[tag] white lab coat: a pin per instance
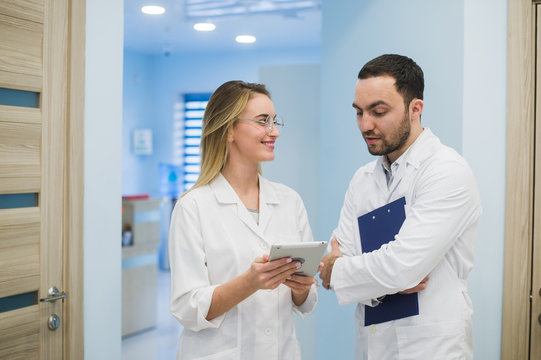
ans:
(213, 238)
(437, 238)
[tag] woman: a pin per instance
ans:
(232, 302)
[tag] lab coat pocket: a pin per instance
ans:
(231, 354)
(361, 346)
(361, 343)
(443, 341)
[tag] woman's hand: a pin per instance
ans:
(263, 274)
(300, 286)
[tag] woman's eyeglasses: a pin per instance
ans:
(269, 122)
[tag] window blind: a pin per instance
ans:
(192, 128)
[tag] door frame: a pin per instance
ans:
(519, 192)
(73, 257)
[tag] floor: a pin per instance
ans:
(161, 342)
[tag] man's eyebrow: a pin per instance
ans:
(371, 106)
(377, 103)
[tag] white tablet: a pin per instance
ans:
(309, 254)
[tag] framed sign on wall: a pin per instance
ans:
(142, 141)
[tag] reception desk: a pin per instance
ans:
(140, 239)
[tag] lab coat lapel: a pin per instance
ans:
(423, 147)
(379, 175)
(267, 201)
(247, 219)
(397, 179)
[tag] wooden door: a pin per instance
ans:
(535, 312)
(41, 242)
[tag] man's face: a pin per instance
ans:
(382, 117)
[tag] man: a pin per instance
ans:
(442, 206)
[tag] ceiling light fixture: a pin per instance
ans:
(198, 9)
(153, 10)
(204, 26)
(245, 39)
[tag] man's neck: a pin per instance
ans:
(414, 135)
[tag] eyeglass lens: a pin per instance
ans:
(273, 120)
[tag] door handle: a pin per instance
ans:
(54, 295)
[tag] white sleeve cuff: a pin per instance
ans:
(343, 289)
(192, 309)
(309, 305)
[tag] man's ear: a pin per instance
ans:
(416, 109)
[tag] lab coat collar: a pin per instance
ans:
(223, 191)
(424, 147)
(225, 194)
(420, 150)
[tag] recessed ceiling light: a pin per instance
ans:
(153, 10)
(245, 39)
(204, 26)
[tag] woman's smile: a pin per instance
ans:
(269, 144)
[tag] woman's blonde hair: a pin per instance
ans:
(221, 113)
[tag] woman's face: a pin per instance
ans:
(249, 141)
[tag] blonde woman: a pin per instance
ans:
(233, 302)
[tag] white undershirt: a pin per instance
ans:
(255, 215)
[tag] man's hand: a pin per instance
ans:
(328, 263)
(420, 287)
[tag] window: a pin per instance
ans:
(188, 130)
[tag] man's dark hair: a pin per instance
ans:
(409, 80)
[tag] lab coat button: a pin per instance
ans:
(372, 329)
(268, 331)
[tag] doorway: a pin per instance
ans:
(521, 323)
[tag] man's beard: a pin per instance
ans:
(393, 142)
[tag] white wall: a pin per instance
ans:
(102, 207)
(295, 91)
(484, 146)
(153, 83)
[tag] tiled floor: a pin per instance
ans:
(161, 342)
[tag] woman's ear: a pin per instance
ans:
(230, 137)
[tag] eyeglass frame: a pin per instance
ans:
(277, 120)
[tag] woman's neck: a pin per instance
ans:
(245, 181)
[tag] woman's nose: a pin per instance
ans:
(274, 131)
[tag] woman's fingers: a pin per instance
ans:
(299, 283)
(298, 280)
(271, 274)
(283, 272)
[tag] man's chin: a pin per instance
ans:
(376, 152)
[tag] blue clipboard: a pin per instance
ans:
(376, 228)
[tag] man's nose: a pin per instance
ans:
(365, 123)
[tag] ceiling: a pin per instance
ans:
(277, 24)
